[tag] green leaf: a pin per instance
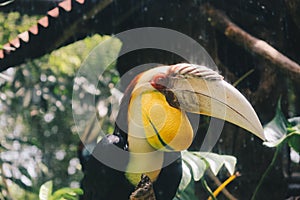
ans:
(281, 130)
(186, 177)
(275, 143)
(188, 193)
(46, 190)
(24, 171)
(67, 193)
(197, 165)
(230, 163)
(5, 3)
(3, 147)
(215, 161)
(276, 129)
(198, 162)
(294, 141)
(20, 183)
(294, 122)
(295, 157)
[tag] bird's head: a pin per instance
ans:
(160, 97)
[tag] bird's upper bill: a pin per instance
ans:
(198, 89)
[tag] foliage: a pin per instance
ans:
(294, 133)
(12, 24)
(280, 131)
(46, 192)
(195, 164)
(38, 136)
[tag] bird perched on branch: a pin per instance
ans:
(152, 128)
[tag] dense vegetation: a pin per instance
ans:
(38, 136)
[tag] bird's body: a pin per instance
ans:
(152, 128)
(103, 182)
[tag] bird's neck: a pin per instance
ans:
(144, 159)
(148, 161)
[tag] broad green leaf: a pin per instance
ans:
(295, 157)
(46, 190)
(197, 165)
(198, 162)
(215, 161)
(276, 142)
(230, 163)
(276, 129)
(294, 141)
(295, 123)
(280, 130)
(187, 194)
(186, 177)
(66, 193)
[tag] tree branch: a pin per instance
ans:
(258, 47)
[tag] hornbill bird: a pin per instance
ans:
(152, 128)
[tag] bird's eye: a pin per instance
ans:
(159, 81)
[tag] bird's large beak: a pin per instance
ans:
(216, 98)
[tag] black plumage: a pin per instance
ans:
(102, 182)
